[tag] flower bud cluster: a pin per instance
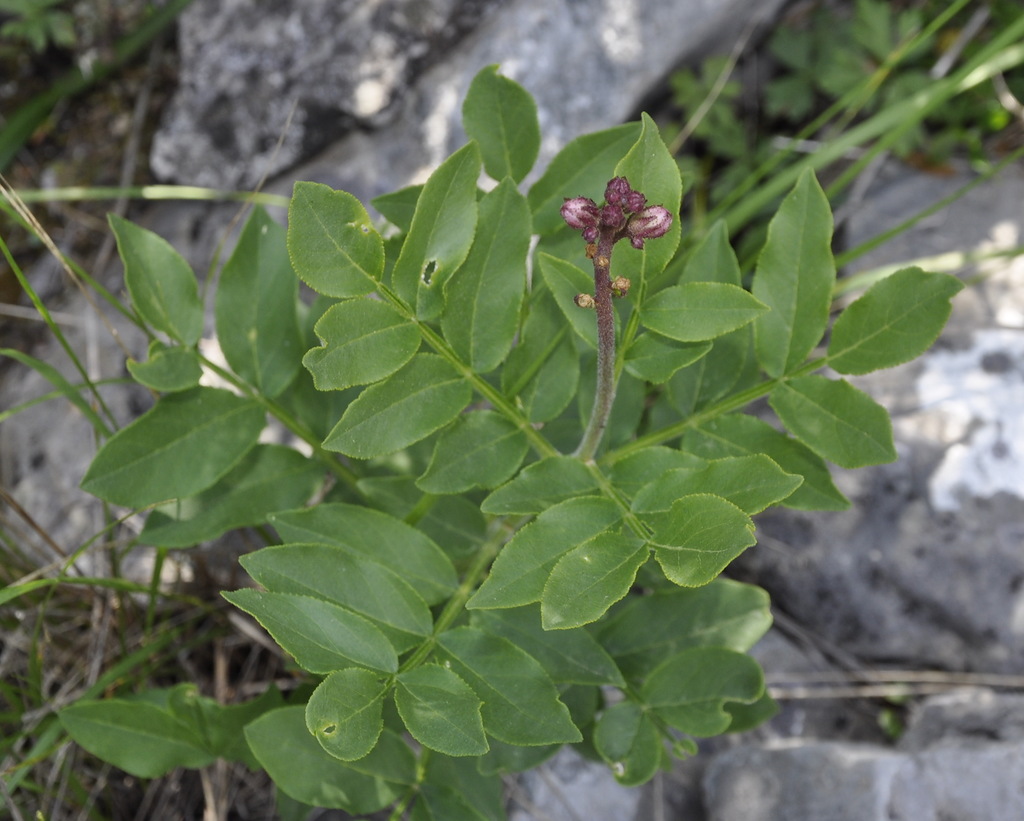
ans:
(624, 214)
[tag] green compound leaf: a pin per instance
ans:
(635, 470)
(436, 802)
(520, 703)
(452, 521)
(565, 281)
(221, 725)
(441, 233)
(521, 569)
(794, 277)
(651, 169)
(508, 758)
(835, 420)
(626, 738)
(554, 384)
(573, 171)
(345, 713)
(713, 260)
(270, 478)
(331, 242)
(646, 630)
(738, 434)
(542, 331)
(543, 369)
(181, 446)
(897, 320)
(698, 537)
(363, 341)
(391, 760)
(730, 365)
(160, 282)
(568, 656)
(304, 771)
(655, 359)
(541, 485)
(399, 206)
(347, 578)
(167, 370)
(441, 711)
(481, 449)
(423, 396)
(138, 737)
(744, 717)
(589, 579)
(502, 117)
(691, 689)
(752, 483)
(456, 790)
(257, 326)
(376, 537)
(698, 311)
(322, 637)
(484, 296)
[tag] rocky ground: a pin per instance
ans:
(898, 651)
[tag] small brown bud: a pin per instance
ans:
(584, 300)
(620, 286)
(591, 249)
(602, 262)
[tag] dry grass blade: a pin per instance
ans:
(882, 684)
(25, 214)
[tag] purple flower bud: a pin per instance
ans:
(581, 213)
(650, 223)
(636, 201)
(617, 190)
(612, 216)
(591, 234)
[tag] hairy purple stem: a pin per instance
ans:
(604, 394)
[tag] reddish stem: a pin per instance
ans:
(604, 393)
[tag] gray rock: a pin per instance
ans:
(965, 716)
(397, 72)
(810, 782)
(252, 73)
(796, 669)
(926, 568)
(568, 788)
(943, 770)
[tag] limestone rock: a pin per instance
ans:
(394, 74)
(938, 772)
(926, 570)
(569, 787)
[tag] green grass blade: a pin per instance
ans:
(57, 332)
(81, 193)
(1002, 53)
(64, 388)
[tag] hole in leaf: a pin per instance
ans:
(428, 271)
(329, 729)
